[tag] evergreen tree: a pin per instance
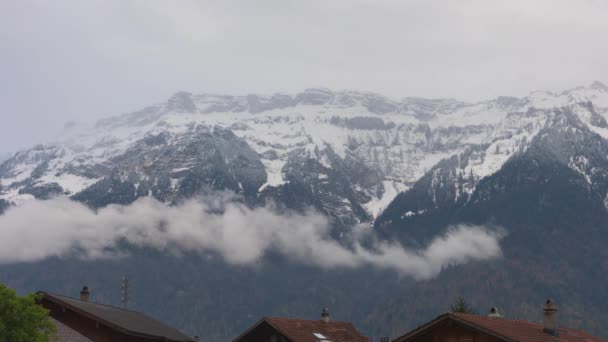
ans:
(461, 306)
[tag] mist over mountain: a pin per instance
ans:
(4, 156)
(331, 164)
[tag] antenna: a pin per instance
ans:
(124, 289)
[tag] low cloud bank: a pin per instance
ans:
(241, 235)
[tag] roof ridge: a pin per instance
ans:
(121, 309)
(95, 303)
(305, 319)
(475, 319)
(493, 318)
(505, 329)
(304, 329)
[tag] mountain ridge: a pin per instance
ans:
(399, 139)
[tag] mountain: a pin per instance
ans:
(566, 136)
(550, 197)
(535, 167)
(348, 153)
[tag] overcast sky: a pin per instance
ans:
(80, 60)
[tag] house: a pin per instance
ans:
(67, 334)
(279, 329)
(101, 323)
(461, 327)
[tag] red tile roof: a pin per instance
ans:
(507, 329)
(302, 330)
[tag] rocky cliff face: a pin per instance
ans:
(348, 153)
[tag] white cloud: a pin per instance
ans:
(241, 235)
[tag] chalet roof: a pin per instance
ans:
(67, 334)
(126, 321)
(303, 330)
(505, 329)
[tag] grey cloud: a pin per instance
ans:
(73, 60)
(241, 235)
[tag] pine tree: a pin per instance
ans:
(461, 306)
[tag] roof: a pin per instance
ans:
(303, 330)
(67, 334)
(506, 329)
(126, 321)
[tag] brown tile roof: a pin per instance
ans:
(507, 329)
(127, 321)
(303, 330)
(67, 334)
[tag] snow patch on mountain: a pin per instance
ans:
(399, 139)
(378, 204)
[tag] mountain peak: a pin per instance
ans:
(181, 102)
(597, 85)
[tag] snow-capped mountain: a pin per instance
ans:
(565, 141)
(347, 153)
(536, 168)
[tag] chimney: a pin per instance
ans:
(550, 318)
(494, 312)
(325, 315)
(84, 294)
